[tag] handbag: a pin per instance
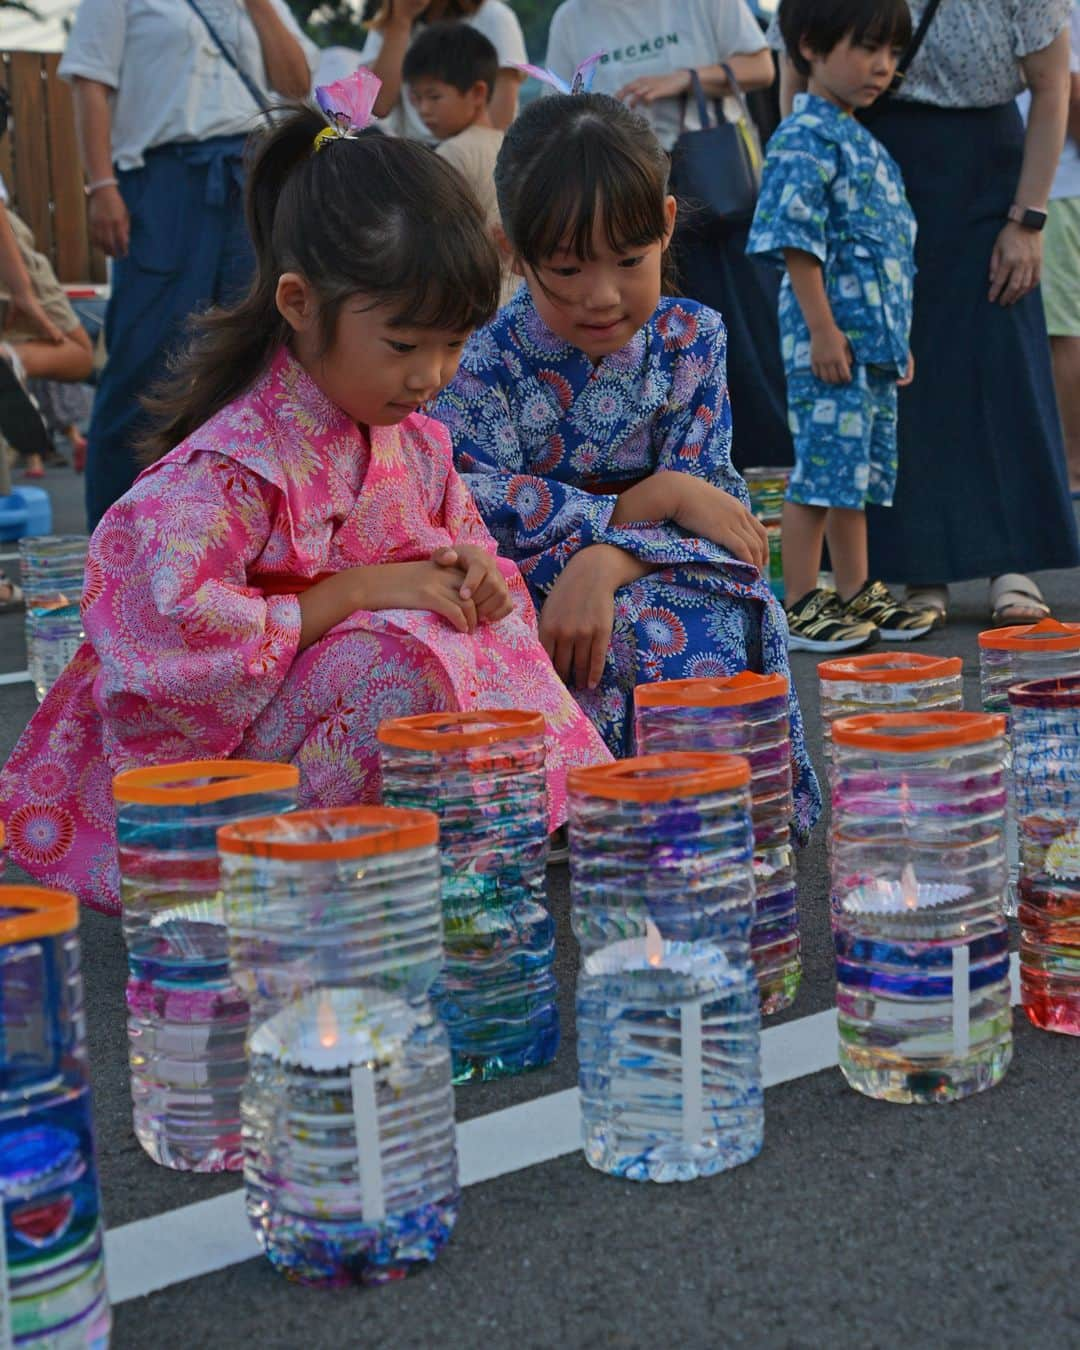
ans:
(717, 170)
(231, 61)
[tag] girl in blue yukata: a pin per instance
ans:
(592, 424)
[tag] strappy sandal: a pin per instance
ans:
(929, 597)
(1016, 599)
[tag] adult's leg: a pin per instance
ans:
(1065, 353)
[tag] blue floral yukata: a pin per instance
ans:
(831, 189)
(546, 441)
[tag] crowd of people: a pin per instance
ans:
(457, 418)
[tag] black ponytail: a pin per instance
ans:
(378, 216)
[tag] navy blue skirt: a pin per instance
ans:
(982, 487)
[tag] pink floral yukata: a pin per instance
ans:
(193, 623)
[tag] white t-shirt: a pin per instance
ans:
(171, 83)
(498, 23)
(650, 37)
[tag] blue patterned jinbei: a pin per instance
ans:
(544, 438)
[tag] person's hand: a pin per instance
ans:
(406, 12)
(419, 585)
(110, 225)
(35, 317)
(708, 511)
(578, 615)
(830, 355)
(648, 88)
(1015, 264)
(484, 584)
(909, 372)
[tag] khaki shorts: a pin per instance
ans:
(1061, 268)
(46, 287)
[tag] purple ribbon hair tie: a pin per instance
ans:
(580, 82)
(347, 106)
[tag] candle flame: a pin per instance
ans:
(654, 944)
(909, 887)
(327, 1024)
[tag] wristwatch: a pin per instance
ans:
(1027, 216)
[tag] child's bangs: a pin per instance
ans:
(886, 23)
(432, 277)
(560, 209)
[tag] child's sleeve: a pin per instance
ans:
(793, 204)
(190, 652)
(694, 434)
(537, 521)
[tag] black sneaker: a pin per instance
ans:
(819, 623)
(895, 621)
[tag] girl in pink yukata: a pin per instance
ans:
(301, 560)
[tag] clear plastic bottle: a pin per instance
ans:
(888, 682)
(767, 487)
(1046, 769)
(52, 1273)
(335, 927)
(668, 1020)
(187, 1021)
(918, 869)
(1033, 651)
(745, 714)
(482, 773)
(52, 569)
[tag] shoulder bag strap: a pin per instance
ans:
(914, 45)
(230, 60)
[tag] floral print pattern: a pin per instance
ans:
(193, 626)
(544, 441)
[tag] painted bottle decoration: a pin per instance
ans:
(662, 895)
(744, 714)
(1046, 769)
(767, 487)
(52, 1273)
(482, 773)
(918, 875)
(335, 927)
(187, 1021)
(887, 682)
(52, 569)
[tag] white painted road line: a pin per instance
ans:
(182, 1244)
(15, 677)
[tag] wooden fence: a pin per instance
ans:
(39, 161)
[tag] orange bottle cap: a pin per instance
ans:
(330, 833)
(39, 912)
(439, 732)
(1048, 635)
(197, 781)
(891, 667)
(902, 733)
(729, 692)
(661, 778)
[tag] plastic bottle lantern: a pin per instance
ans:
(668, 1020)
(1046, 768)
(888, 682)
(335, 928)
(746, 714)
(918, 874)
(52, 1276)
(187, 1021)
(52, 578)
(1008, 656)
(482, 773)
(767, 487)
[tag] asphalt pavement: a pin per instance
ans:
(861, 1224)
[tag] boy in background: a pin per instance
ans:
(450, 73)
